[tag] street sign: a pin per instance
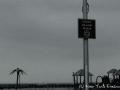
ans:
(86, 28)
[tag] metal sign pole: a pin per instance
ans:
(85, 48)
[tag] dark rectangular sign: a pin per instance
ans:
(86, 28)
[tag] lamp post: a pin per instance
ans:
(85, 10)
(86, 30)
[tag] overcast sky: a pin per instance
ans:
(40, 37)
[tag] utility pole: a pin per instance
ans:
(85, 10)
(86, 30)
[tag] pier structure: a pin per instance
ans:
(78, 78)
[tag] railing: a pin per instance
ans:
(37, 86)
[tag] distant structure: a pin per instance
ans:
(77, 78)
(112, 71)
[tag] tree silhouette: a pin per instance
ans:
(19, 72)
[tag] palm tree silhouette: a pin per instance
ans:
(19, 72)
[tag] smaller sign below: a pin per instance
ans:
(86, 28)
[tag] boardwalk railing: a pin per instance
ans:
(40, 86)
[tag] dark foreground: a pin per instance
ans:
(52, 86)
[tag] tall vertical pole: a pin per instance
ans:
(85, 49)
